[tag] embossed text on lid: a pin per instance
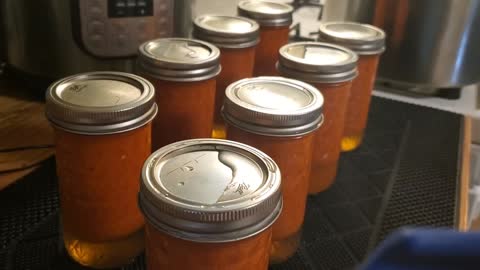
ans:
(266, 13)
(273, 106)
(210, 190)
(361, 38)
(226, 31)
(100, 102)
(179, 59)
(317, 62)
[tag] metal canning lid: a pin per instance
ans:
(317, 62)
(266, 13)
(209, 190)
(273, 106)
(100, 103)
(364, 39)
(179, 59)
(227, 31)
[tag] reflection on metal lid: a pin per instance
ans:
(226, 31)
(361, 38)
(317, 62)
(100, 102)
(266, 13)
(179, 59)
(210, 190)
(273, 106)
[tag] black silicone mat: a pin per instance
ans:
(405, 173)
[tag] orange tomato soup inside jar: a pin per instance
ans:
(184, 73)
(209, 205)
(278, 116)
(274, 19)
(368, 42)
(102, 124)
(237, 38)
(331, 69)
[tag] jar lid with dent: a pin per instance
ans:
(364, 39)
(209, 190)
(317, 62)
(273, 106)
(99, 103)
(266, 13)
(179, 59)
(226, 31)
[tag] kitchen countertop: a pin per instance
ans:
(411, 170)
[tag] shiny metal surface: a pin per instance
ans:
(273, 106)
(430, 43)
(210, 190)
(266, 13)
(363, 39)
(317, 62)
(226, 31)
(347, 10)
(100, 103)
(179, 59)
(41, 39)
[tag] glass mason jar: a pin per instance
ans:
(278, 116)
(368, 42)
(237, 38)
(331, 69)
(183, 72)
(274, 19)
(102, 124)
(209, 204)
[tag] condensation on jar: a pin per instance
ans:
(368, 42)
(237, 38)
(184, 73)
(274, 19)
(331, 69)
(102, 124)
(278, 116)
(209, 204)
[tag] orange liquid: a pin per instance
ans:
(98, 181)
(329, 136)
(359, 102)
(293, 155)
(272, 38)
(236, 64)
(167, 252)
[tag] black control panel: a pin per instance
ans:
(129, 8)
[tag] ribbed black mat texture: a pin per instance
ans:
(404, 174)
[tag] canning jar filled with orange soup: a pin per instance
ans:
(209, 205)
(184, 73)
(368, 42)
(331, 69)
(102, 124)
(237, 38)
(278, 116)
(274, 19)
